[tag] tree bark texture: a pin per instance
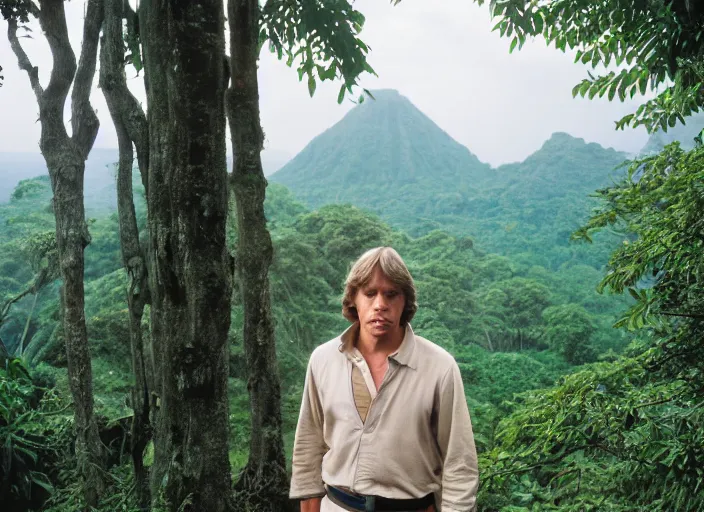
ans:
(131, 128)
(65, 158)
(264, 478)
(189, 270)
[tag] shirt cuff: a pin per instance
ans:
(453, 508)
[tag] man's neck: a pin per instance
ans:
(386, 345)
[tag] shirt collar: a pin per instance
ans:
(405, 355)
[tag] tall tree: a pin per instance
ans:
(266, 468)
(131, 129)
(324, 36)
(189, 267)
(65, 158)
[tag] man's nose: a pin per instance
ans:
(380, 302)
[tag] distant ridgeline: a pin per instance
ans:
(100, 191)
(99, 185)
(389, 157)
(685, 134)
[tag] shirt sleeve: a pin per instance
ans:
(460, 475)
(309, 444)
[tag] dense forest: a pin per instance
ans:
(145, 369)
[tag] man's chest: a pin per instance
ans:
(378, 369)
(358, 395)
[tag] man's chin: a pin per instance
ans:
(381, 331)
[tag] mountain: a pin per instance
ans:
(684, 133)
(536, 204)
(387, 156)
(99, 174)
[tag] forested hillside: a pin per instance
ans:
(498, 318)
(390, 158)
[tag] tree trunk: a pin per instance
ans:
(490, 345)
(65, 158)
(264, 478)
(72, 238)
(189, 267)
(131, 126)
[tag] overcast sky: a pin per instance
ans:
(441, 54)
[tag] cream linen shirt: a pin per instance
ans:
(417, 437)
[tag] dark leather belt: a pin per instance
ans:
(367, 503)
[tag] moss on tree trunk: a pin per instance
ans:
(263, 482)
(189, 268)
(65, 159)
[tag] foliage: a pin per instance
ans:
(492, 380)
(28, 260)
(322, 36)
(18, 9)
(609, 438)
(626, 435)
(24, 437)
(569, 329)
(661, 201)
(651, 43)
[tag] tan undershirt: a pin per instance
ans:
(363, 386)
(362, 395)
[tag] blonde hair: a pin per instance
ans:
(393, 267)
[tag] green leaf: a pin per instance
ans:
(612, 90)
(311, 84)
(596, 57)
(42, 481)
(341, 94)
(538, 22)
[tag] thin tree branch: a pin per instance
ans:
(8, 304)
(83, 118)
(23, 60)
(52, 18)
(40, 280)
(124, 108)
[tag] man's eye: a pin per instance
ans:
(370, 294)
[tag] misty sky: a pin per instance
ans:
(441, 54)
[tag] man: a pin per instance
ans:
(384, 423)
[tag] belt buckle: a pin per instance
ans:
(370, 504)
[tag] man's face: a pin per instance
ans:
(379, 306)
